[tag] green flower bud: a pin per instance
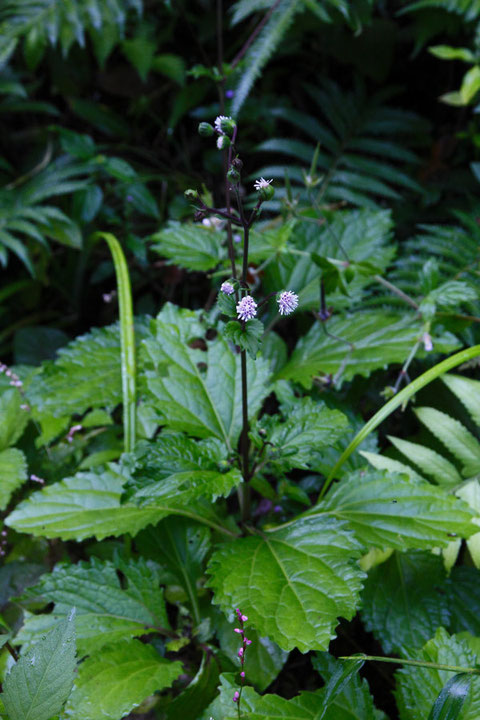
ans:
(205, 129)
(225, 125)
(223, 142)
(191, 194)
(233, 175)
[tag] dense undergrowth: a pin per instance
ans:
(239, 405)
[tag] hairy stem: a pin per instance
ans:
(415, 663)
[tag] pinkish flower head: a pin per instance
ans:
(227, 288)
(242, 674)
(237, 630)
(236, 696)
(246, 310)
(244, 618)
(247, 641)
(240, 653)
(287, 302)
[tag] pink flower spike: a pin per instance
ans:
(236, 696)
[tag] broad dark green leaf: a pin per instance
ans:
(199, 392)
(404, 600)
(38, 685)
(418, 688)
(292, 583)
(463, 588)
(357, 344)
(117, 678)
(451, 700)
(106, 609)
(387, 510)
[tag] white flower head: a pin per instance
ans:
(287, 302)
(246, 308)
(218, 122)
(262, 183)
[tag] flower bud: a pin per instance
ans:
(225, 125)
(205, 129)
(233, 175)
(223, 142)
(191, 194)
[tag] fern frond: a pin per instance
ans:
(468, 9)
(361, 157)
(62, 21)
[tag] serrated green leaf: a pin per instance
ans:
(467, 391)
(394, 511)
(451, 700)
(418, 688)
(89, 504)
(464, 599)
(180, 546)
(470, 493)
(193, 247)
(248, 338)
(430, 462)
(12, 418)
(402, 602)
(293, 583)
(309, 427)
(378, 339)
(203, 403)
(454, 436)
(13, 473)
(117, 679)
(38, 685)
(106, 609)
(86, 374)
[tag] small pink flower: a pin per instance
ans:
(240, 653)
(242, 674)
(244, 618)
(236, 696)
(237, 630)
(248, 642)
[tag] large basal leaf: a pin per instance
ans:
(308, 428)
(117, 679)
(13, 473)
(38, 685)
(12, 418)
(193, 247)
(107, 610)
(387, 510)
(199, 392)
(404, 601)
(86, 374)
(293, 583)
(358, 344)
(419, 687)
(90, 504)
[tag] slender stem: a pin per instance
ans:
(415, 663)
(397, 291)
(246, 233)
(12, 651)
(404, 371)
(245, 442)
